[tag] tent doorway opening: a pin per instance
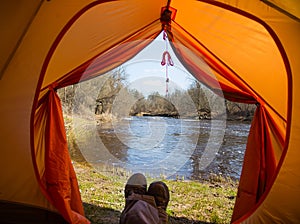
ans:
(171, 132)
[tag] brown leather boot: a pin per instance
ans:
(137, 184)
(160, 191)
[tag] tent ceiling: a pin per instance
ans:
(16, 16)
(289, 7)
(97, 29)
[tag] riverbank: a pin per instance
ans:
(190, 201)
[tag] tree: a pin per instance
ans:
(85, 98)
(114, 82)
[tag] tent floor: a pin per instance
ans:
(12, 213)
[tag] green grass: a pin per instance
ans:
(190, 201)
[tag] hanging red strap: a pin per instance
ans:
(167, 58)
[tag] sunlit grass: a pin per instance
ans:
(190, 201)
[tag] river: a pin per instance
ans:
(172, 148)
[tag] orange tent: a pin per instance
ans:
(251, 46)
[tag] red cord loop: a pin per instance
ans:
(169, 60)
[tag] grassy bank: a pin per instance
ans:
(190, 201)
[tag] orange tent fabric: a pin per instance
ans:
(59, 181)
(251, 49)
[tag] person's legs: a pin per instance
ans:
(140, 208)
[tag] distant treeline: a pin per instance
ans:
(110, 94)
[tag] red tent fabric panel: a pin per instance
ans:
(59, 179)
(259, 165)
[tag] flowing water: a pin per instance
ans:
(174, 148)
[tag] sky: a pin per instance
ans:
(147, 75)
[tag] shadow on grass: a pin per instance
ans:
(100, 215)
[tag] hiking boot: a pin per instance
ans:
(136, 184)
(160, 191)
